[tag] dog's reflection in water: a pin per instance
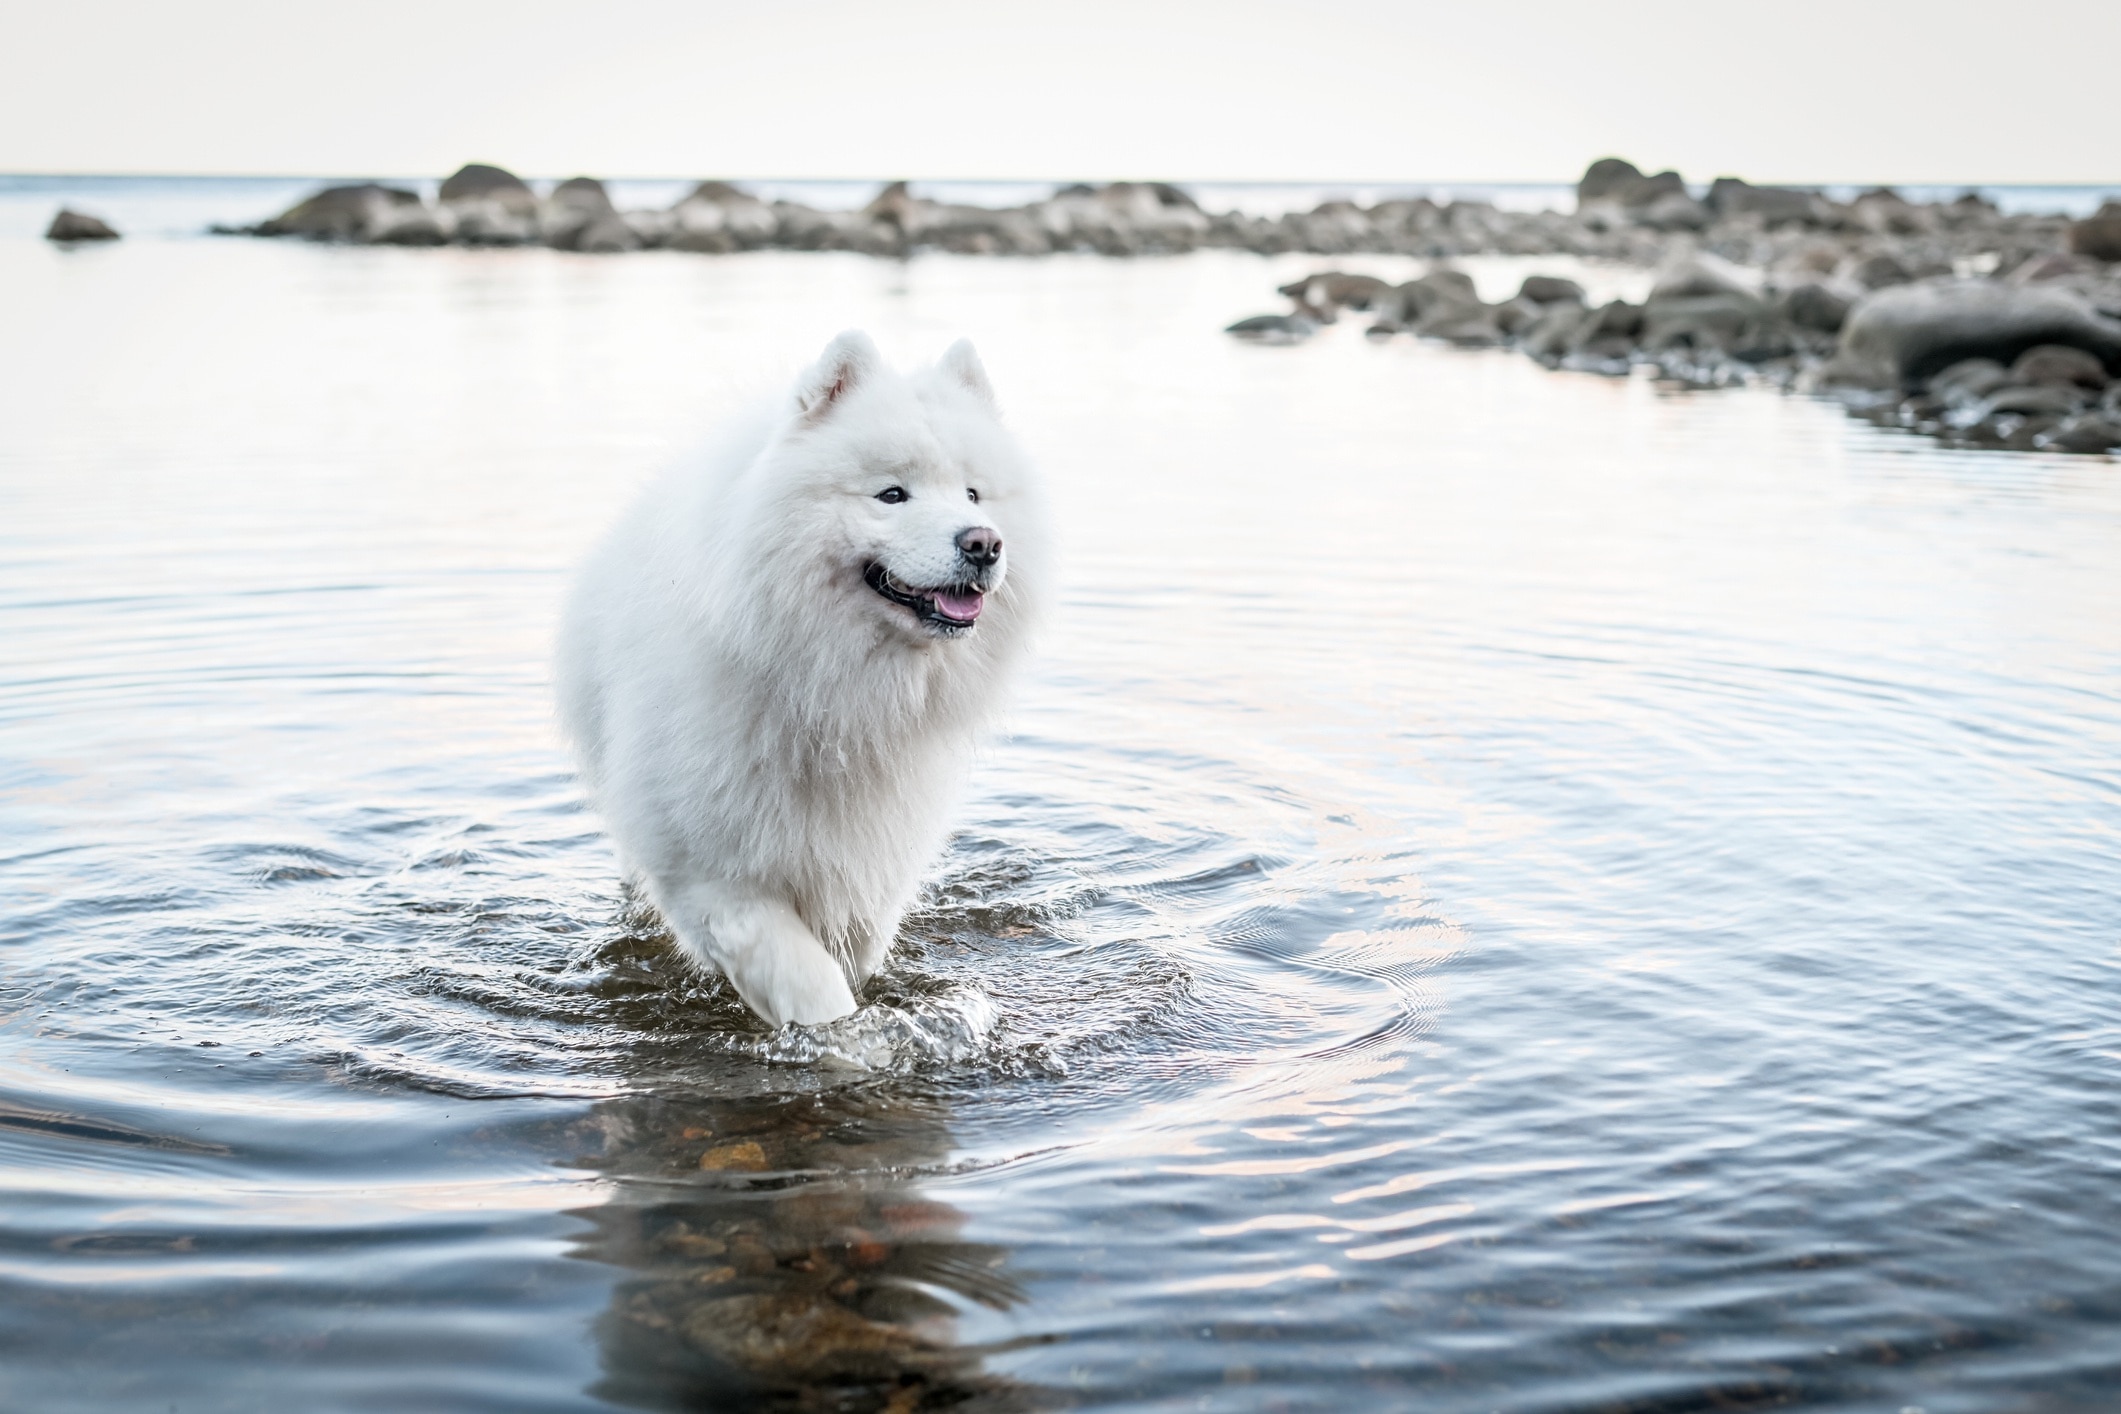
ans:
(784, 1258)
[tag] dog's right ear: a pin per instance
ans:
(848, 361)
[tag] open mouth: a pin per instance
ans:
(952, 608)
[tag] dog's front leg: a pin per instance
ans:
(763, 947)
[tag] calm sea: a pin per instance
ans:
(1504, 891)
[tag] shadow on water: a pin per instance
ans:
(767, 1199)
(782, 1254)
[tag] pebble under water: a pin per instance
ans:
(1503, 891)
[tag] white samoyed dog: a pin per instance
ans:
(775, 669)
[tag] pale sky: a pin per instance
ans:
(1334, 90)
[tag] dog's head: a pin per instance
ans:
(905, 491)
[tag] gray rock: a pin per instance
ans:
(1694, 276)
(1886, 212)
(417, 224)
(1604, 340)
(2099, 235)
(578, 215)
(1274, 328)
(1875, 272)
(1546, 289)
(2049, 398)
(2089, 434)
(1514, 316)
(2051, 265)
(1897, 337)
(476, 181)
(1548, 340)
(489, 206)
(2059, 363)
(1335, 289)
(1818, 305)
(70, 226)
(359, 214)
(1646, 192)
(1468, 326)
(1733, 322)
(1775, 206)
(1970, 380)
(717, 217)
(1607, 177)
(1674, 211)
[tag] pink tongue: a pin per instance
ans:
(959, 603)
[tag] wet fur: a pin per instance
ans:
(775, 747)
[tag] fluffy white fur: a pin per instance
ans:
(775, 744)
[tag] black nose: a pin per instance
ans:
(980, 545)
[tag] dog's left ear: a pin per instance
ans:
(847, 362)
(961, 363)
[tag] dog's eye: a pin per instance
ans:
(892, 495)
(972, 492)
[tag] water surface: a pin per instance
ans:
(1504, 891)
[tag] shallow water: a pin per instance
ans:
(1505, 890)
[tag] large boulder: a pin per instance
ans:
(2098, 235)
(1898, 336)
(364, 213)
(489, 206)
(70, 226)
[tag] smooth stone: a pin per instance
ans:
(1546, 289)
(1898, 336)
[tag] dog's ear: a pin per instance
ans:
(848, 361)
(961, 363)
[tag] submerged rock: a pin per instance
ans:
(70, 226)
(1274, 328)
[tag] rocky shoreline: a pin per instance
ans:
(1949, 320)
(1621, 215)
(1954, 319)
